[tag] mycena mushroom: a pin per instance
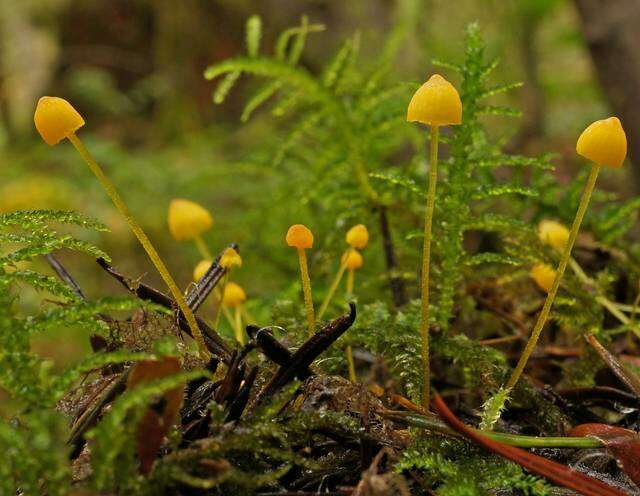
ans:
(357, 238)
(604, 143)
(56, 120)
(301, 238)
(436, 103)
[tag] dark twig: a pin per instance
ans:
(626, 376)
(212, 339)
(242, 398)
(209, 280)
(232, 380)
(273, 349)
(308, 352)
(396, 282)
(65, 276)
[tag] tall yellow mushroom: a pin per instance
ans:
(604, 143)
(56, 119)
(436, 103)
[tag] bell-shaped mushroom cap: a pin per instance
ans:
(56, 119)
(233, 295)
(358, 236)
(543, 275)
(201, 269)
(604, 142)
(187, 219)
(352, 259)
(436, 103)
(553, 233)
(230, 258)
(299, 236)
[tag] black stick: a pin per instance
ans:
(65, 276)
(308, 352)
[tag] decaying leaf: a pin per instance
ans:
(623, 444)
(160, 416)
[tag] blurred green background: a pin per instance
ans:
(134, 68)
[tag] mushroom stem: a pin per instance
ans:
(426, 256)
(202, 248)
(334, 285)
(218, 294)
(350, 281)
(144, 240)
(566, 254)
(352, 364)
(306, 290)
(238, 325)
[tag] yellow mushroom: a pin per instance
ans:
(603, 143)
(300, 237)
(201, 269)
(187, 221)
(233, 297)
(553, 233)
(230, 258)
(56, 119)
(358, 236)
(543, 275)
(436, 103)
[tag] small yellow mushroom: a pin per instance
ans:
(230, 258)
(56, 119)
(201, 269)
(358, 236)
(543, 275)
(352, 259)
(300, 237)
(604, 142)
(553, 233)
(233, 297)
(187, 221)
(436, 103)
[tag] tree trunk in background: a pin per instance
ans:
(612, 32)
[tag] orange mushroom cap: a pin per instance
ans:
(299, 236)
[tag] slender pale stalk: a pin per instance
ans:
(218, 295)
(306, 290)
(238, 325)
(144, 241)
(231, 319)
(426, 257)
(334, 285)
(352, 364)
(551, 295)
(202, 248)
(350, 281)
